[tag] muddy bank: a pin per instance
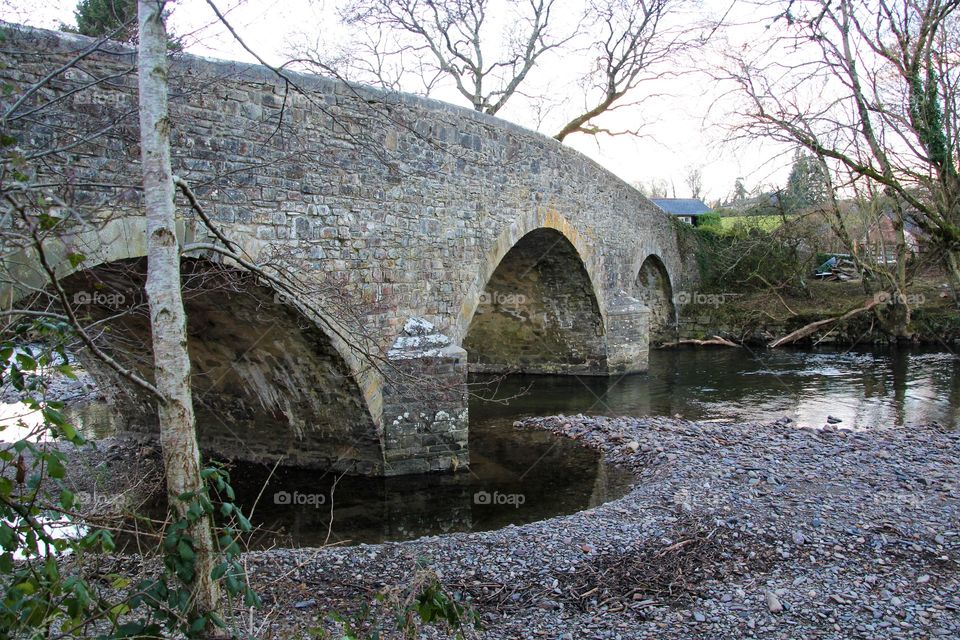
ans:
(757, 317)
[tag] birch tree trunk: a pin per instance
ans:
(181, 454)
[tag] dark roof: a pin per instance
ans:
(681, 206)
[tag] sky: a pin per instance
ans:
(684, 122)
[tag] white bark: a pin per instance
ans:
(181, 454)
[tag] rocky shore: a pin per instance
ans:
(731, 531)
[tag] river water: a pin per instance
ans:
(519, 476)
(865, 388)
(537, 475)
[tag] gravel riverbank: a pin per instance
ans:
(732, 530)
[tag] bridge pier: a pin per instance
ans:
(628, 335)
(425, 413)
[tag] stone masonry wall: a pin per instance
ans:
(398, 207)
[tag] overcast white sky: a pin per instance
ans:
(685, 124)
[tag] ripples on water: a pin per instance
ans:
(863, 388)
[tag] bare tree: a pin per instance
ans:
(653, 188)
(870, 89)
(634, 44)
(413, 45)
(449, 38)
(168, 320)
(694, 180)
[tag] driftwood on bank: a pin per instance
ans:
(712, 341)
(813, 327)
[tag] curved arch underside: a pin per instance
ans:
(267, 382)
(538, 312)
(654, 289)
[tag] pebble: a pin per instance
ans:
(832, 540)
(773, 602)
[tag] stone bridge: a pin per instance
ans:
(401, 242)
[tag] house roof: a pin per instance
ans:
(681, 206)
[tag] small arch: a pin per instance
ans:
(653, 287)
(538, 312)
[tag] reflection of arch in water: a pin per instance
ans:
(653, 287)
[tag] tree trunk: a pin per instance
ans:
(953, 266)
(178, 439)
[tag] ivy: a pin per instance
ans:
(36, 594)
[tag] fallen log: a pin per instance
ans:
(813, 327)
(713, 341)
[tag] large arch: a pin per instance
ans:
(538, 311)
(257, 397)
(654, 288)
(268, 384)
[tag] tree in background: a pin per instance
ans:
(740, 192)
(807, 184)
(114, 18)
(694, 180)
(869, 89)
(414, 45)
(634, 44)
(451, 40)
(653, 188)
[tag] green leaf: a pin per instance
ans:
(26, 361)
(198, 625)
(185, 551)
(219, 570)
(55, 468)
(75, 259)
(118, 581)
(67, 370)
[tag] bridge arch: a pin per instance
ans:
(506, 240)
(654, 287)
(269, 381)
(536, 306)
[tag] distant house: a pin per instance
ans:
(685, 209)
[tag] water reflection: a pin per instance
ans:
(863, 388)
(515, 477)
